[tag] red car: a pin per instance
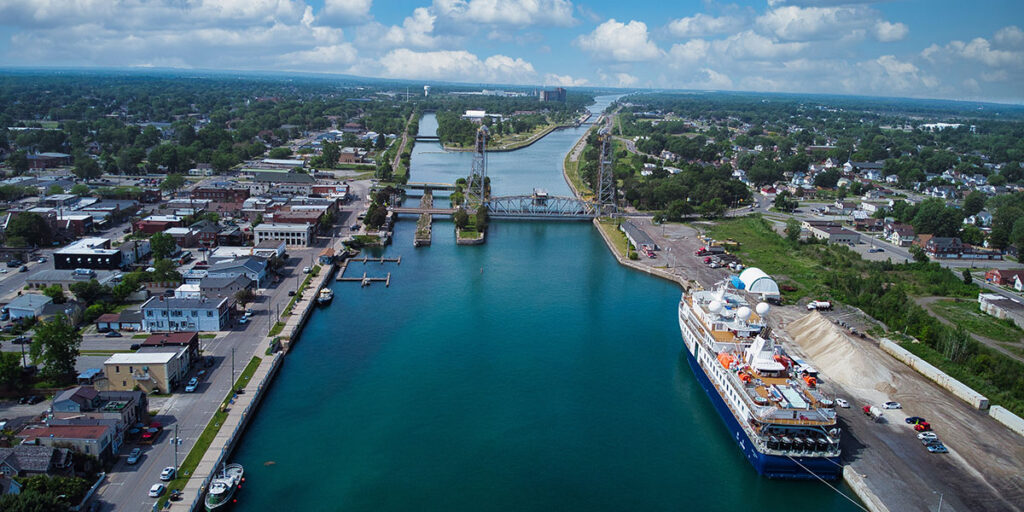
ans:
(924, 426)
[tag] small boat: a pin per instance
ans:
(223, 487)
(326, 296)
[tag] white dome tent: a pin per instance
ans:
(757, 282)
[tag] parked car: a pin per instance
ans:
(928, 436)
(291, 293)
(923, 427)
(3, 270)
(156, 490)
(23, 269)
(22, 340)
(15, 263)
(135, 346)
(914, 420)
(134, 456)
(167, 474)
(842, 403)
(42, 259)
(192, 384)
(244, 320)
(34, 399)
(113, 334)
(937, 448)
(892, 405)
(306, 270)
(209, 361)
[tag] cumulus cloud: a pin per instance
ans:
(332, 58)
(887, 75)
(1011, 37)
(564, 80)
(509, 12)
(702, 25)
(888, 32)
(456, 65)
(622, 42)
(346, 12)
(978, 50)
(625, 79)
(794, 23)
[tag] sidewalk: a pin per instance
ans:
(238, 416)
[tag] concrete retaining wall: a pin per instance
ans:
(959, 389)
(1007, 418)
(860, 487)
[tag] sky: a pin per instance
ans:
(963, 50)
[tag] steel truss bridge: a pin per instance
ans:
(534, 207)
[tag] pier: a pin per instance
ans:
(424, 226)
(365, 280)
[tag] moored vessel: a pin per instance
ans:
(223, 487)
(773, 404)
(325, 297)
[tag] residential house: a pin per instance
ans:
(29, 305)
(126, 408)
(26, 460)
(899, 234)
(187, 340)
(185, 314)
(127, 320)
(869, 224)
(1003, 277)
(982, 219)
(95, 440)
(943, 247)
(225, 286)
(251, 267)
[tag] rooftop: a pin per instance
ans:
(66, 432)
(141, 358)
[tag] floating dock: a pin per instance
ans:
(365, 280)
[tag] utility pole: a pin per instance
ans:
(176, 441)
(232, 368)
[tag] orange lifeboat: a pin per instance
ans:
(787, 362)
(726, 359)
(745, 377)
(811, 381)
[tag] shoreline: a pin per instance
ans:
(525, 144)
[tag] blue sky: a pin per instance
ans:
(937, 49)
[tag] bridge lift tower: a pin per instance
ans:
(476, 188)
(605, 197)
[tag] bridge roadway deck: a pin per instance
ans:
(418, 210)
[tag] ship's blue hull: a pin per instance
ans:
(771, 466)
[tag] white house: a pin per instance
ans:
(29, 305)
(185, 314)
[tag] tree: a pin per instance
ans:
(244, 296)
(461, 218)
(784, 202)
(381, 142)
(280, 153)
(712, 209)
(172, 183)
(793, 230)
(18, 161)
(88, 292)
(481, 218)
(918, 254)
(827, 179)
(10, 369)
(56, 346)
(967, 276)
(330, 154)
(974, 203)
(54, 189)
(87, 168)
(165, 271)
(55, 292)
(80, 189)
(29, 501)
(162, 245)
(30, 227)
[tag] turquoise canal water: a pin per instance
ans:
(529, 374)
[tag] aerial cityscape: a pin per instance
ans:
(511, 255)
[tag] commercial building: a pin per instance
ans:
(1002, 307)
(185, 314)
(835, 234)
(88, 253)
(149, 371)
(300, 235)
(222, 193)
(65, 278)
(270, 249)
(157, 223)
(557, 94)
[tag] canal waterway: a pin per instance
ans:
(532, 373)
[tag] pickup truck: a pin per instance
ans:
(819, 305)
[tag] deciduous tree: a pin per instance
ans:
(56, 346)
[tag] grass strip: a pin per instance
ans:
(188, 466)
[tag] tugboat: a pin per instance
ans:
(325, 297)
(223, 487)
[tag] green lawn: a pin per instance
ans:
(968, 315)
(209, 433)
(618, 238)
(760, 247)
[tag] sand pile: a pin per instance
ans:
(839, 358)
